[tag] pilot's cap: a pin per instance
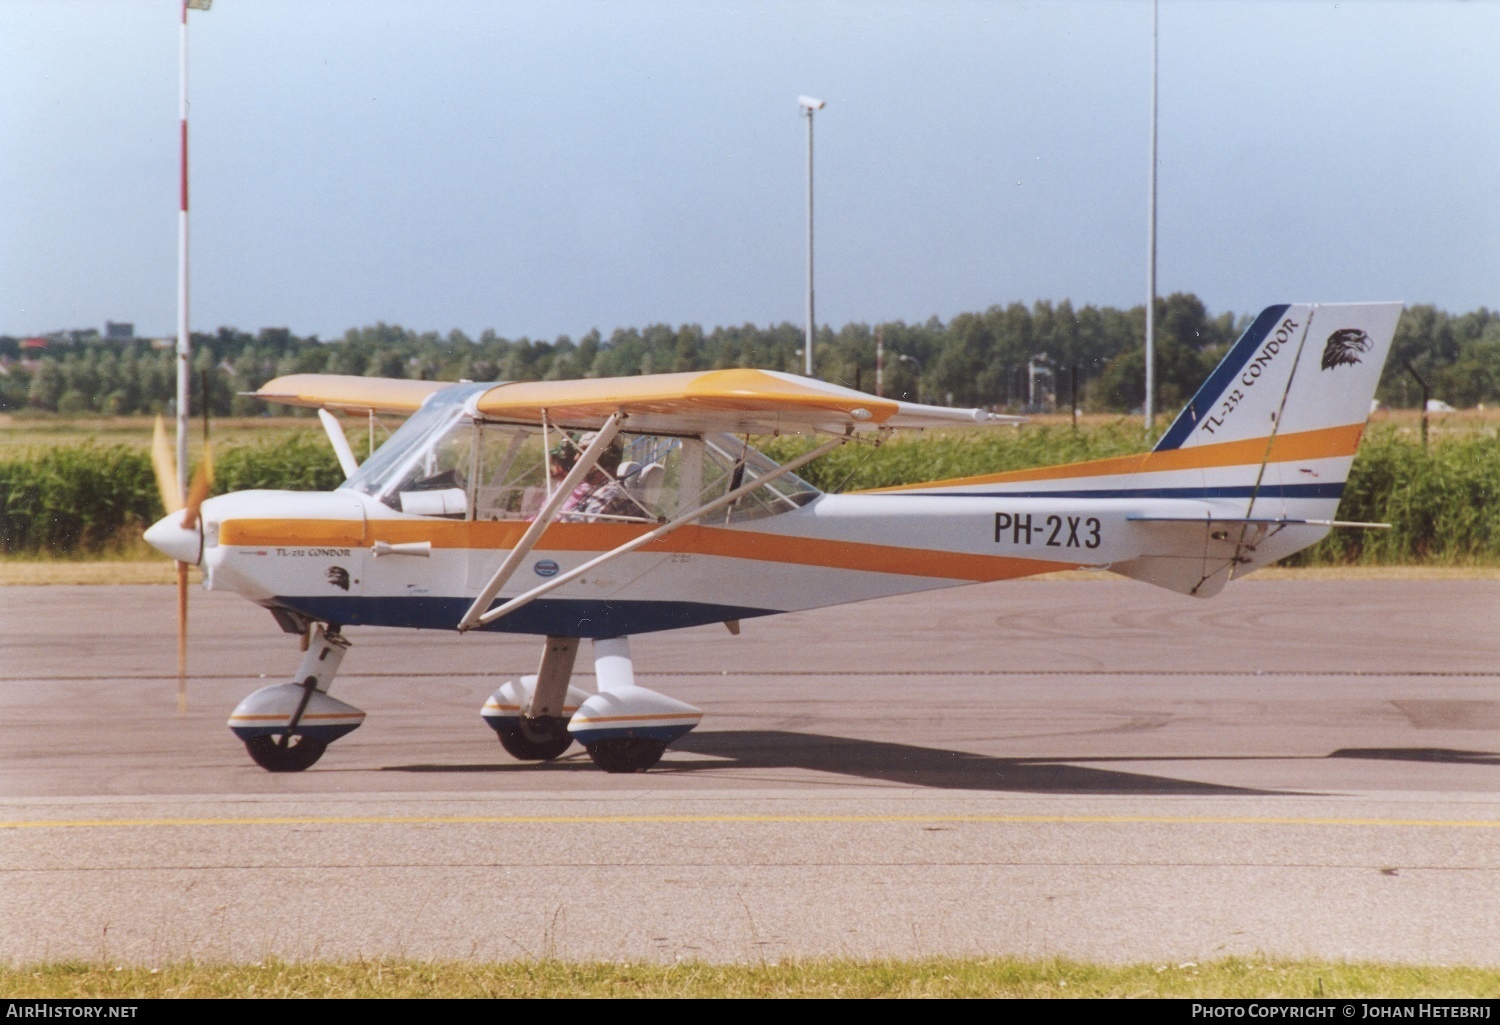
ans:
(609, 460)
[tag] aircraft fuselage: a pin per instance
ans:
(342, 557)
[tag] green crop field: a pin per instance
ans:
(73, 489)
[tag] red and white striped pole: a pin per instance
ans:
(184, 339)
(184, 344)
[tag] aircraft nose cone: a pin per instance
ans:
(168, 536)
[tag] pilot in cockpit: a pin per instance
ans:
(600, 495)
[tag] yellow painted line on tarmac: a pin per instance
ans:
(574, 820)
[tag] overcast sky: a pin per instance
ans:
(547, 168)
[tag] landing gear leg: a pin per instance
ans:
(541, 733)
(626, 728)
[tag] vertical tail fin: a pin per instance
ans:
(1285, 409)
(1266, 444)
(1253, 469)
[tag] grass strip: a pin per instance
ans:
(929, 977)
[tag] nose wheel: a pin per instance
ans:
(286, 727)
(285, 752)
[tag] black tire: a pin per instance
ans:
(282, 753)
(626, 754)
(536, 740)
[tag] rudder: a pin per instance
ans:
(1271, 437)
(1297, 386)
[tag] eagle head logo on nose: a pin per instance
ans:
(338, 576)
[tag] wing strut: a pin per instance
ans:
(340, 443)
(723, 500)
(544, 517)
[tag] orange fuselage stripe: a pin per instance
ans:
(1325, 443)
(602, 537)
(580, 720)
(282, 716)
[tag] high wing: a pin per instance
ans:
(349, 393)
(734, 401)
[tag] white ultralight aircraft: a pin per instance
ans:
(490, 509)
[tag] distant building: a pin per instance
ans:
(114, 332)
(33, 344)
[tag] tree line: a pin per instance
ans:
(1007, 358)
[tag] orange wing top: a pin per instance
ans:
(349, 393)
(738, 401)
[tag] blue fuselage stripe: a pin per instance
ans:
(548, 617)
(1334, 490)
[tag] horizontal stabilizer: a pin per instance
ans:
(1260, 521)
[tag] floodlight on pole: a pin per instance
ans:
(806, 104)
(902, 357)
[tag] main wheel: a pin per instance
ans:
(536, 740)
(282, 753)
(626, 754)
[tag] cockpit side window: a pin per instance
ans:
(730, 461)
(667, 476)
(511, 483)
(442, 462)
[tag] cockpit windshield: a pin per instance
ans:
(444, 462)
(427, 457)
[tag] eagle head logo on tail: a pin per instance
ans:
(1345, 347)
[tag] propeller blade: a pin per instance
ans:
(203, 482)
(192, 503)
(182, 609)
(165, 465)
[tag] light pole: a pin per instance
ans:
(1151, 248)
(1039, 366)
(904, 358)
(807, 105)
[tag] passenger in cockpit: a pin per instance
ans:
(599, 494)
